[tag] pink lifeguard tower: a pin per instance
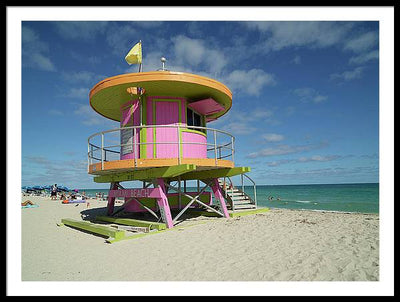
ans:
(164, 141)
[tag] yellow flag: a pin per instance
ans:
(134, 56)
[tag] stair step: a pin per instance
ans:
(236, 193)
(243, 202)
(240, 207)
(240, 198)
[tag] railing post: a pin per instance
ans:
(255, 194)
(215, 147)
(102, 151)
(179, 145)
(232, 149)
(134, 147)
(241, 175)
(88, 156)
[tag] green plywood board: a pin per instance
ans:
(133, 222)
(151, 173)
(94, 228)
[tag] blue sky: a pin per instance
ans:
(305, 94)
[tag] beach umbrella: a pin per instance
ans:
(63, 188)
(37, 187)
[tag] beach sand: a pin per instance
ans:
(278, 245)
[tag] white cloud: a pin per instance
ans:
(318, 158)
(348, 75)
(309, 95)
(84, 30)
(121, 38)
(82, 77)
(362, 43)
(314, 34)
(249, 81)
(34, 51)
(244, 123)
(78, 93)
(297, 60)
(364, 57)
(198, 53)
(285, 149)
(273, 137)
(90, 117)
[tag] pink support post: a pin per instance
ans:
(219, 197)
(111, 199)
(164, 206)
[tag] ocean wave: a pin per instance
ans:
(303, 201)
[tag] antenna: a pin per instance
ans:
(163, 60)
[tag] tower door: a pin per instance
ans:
(166, 113)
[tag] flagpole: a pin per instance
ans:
(140, 64)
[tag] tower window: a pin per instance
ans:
(193, 119)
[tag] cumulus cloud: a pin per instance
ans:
(90, 116)
(348, 75)
(315, 158)
(282, 34)
(82, 77)
(197, 53)
(84, 30)
(77, 93)
(239, 123)
(362, 43)
(273, 137)
(364, 57)
(285, 149)
(34, 51)
(307, 94)
(249, 81)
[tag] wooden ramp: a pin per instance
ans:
(119, 229)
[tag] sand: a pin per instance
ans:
(278, 245)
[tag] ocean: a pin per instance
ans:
(362, 198)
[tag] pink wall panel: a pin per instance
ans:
(167, 113)
(194, 150)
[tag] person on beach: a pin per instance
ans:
(54, 192)
(25, 203)
(63, 196)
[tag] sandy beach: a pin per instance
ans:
(278, 245)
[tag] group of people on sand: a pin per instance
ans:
(63, 195)
(100, 195)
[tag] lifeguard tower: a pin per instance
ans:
(164, 141)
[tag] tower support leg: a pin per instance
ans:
(111, 200)
(219, 197)
(163, 205)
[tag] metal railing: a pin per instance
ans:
(229, 189)
(219, 144)
(254, 186)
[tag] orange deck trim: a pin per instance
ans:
(128, 164)
(159, 76)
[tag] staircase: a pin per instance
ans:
(236, 199)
